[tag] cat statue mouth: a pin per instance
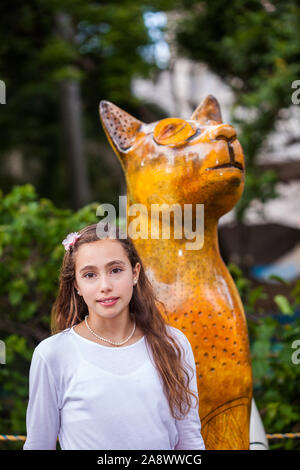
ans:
(227, 165)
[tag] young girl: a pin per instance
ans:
(113, 373)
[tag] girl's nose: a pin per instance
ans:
(105, 283)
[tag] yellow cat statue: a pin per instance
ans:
(194, 164)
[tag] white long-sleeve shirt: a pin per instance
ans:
(98, 397)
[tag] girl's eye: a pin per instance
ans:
(87, 275)
(90, 275)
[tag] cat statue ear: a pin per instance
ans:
(208, 112)
(120, 127)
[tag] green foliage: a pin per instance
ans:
(102, 50)
(275, 361)
(253, 47)
(31, 232)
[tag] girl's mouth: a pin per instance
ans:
(108, 303)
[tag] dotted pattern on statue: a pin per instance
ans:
(120, 125)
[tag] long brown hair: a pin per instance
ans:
(69, 309)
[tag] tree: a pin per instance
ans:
(254, 46)
(58, 60)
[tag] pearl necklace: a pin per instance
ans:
(108, 340)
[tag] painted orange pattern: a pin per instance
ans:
(195, 161)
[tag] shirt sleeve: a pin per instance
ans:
(189, 428)
(42, 416)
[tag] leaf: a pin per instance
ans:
(296, 292)
(255, 294)
(284, 305)
(261, 348)
(278, 278)
(260, 368)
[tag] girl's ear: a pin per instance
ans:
(120, 127)
(76, 288)
(136, 270)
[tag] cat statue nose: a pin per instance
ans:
(223, 131)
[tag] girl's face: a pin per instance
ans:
(102, 269)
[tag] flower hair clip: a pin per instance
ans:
(70, 240)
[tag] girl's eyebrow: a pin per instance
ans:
(116, 261)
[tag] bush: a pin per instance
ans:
(31, 232)
(274, 341)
